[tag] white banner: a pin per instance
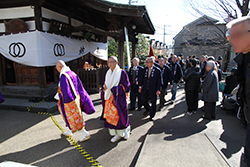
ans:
(41, 49)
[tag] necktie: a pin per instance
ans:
(134, 75)
(149, 72)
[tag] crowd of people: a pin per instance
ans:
(199, 76)
(147, 83)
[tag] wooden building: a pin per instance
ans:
(92, 20)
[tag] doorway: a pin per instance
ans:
(10, 73)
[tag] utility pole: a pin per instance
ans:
(129, 2)
(164, 34)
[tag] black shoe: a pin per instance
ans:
(204, 117)
(151, 119)
(146, 113)
(138, 109)
(132, 109)
(159, 109)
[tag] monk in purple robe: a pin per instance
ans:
(72, 101)
(1, 98)
(114, 101)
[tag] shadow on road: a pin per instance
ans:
(234, 132)
(37, 152)
(178, 125)
(15, 122)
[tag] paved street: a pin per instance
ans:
(173, 139)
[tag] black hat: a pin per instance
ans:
(211, 58)
(220, 58)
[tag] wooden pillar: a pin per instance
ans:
(42, 77)
(133, 49)
(39, 26)
(38, 15)
(69, 21)
(121, 52)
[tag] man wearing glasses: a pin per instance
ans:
(134, 73)
(114, 100)
(239, 38)
(150, 86)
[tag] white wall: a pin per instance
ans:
(76, 23)
(27, 11)
(15, 13)
(49, 14)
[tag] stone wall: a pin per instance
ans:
(201, 37)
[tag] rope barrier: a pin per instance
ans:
(70, 139)
(40, 102)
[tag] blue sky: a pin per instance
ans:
(172, 13)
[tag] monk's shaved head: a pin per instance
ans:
(59, 65)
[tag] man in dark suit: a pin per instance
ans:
(170, 59)
(150, 86)
(203, 63)
(134, 72)
(188, 62)
(167, 77)
(178, 74)
(181, 62)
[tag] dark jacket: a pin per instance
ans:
(210, 87)
(192, 78)
(138, 72)
(203, 70)
(181, 64)
(154, 83)
(219, 74)
(167, 76)
(243, 78)
(230, 84)
(188, 65)
(177, 72)
(156, 64)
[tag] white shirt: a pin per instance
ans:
(135, 67)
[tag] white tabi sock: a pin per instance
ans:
(85, 135)
(68, 133)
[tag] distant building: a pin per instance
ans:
(203, 36)
(160, 48)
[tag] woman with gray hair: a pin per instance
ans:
(210, 89)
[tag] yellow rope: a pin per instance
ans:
(74, 143)
(70, 139)
(28, 108)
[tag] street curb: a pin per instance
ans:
(221, 154)
(142, 150)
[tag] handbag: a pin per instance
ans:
(72, 110)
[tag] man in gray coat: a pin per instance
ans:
(210, 89)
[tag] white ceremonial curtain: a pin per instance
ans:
(40, 49)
